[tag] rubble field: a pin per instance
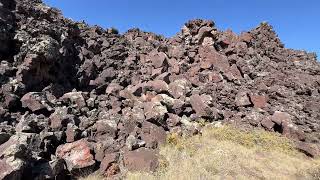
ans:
(78, 99)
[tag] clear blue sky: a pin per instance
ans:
(297, 22)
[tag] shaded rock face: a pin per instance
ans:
(75, 98)
(7, 24)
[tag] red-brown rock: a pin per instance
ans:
(288, 128)
(152, 135)
(142, 159)
(154, 111)
(109, 165)
(76, 98)
(173, 120)
(267, 124)
(60, 118)
(113, 89)
(215, 77)
(157, 86)
(235, 72)
(201, 107)
(258, 101)
(242, 99)
(245, 37)
(280, 117)
(211, 57)
(12, 155)
(33, 101)
(228, 37)
(77, 155)
(309, 149)
(72, 133)
(158, 59)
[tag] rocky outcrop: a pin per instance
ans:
(76, 98)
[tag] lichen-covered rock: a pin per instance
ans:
(13, 157)
(77, 155)
(155, 111)
(242, 99)
(179, 88)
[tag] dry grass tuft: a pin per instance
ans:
(228, 153)
(92, 177)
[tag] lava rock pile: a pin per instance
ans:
(76, 98)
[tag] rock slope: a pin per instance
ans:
(77, 99)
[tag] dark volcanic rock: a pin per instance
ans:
(78, 98)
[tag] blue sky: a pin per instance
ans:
(297, 22)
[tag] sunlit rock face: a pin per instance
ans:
(76, 98)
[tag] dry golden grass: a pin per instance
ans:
(228, 153)
(92, 177)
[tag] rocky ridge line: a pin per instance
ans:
(77, 99)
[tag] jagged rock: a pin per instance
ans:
(104, 129)
(109, 119)
(233, 73)
(134, 143)
(113, 89)
(31, 123)
(73, 133)
(60, 118)
(155, 111)
(103, 147)
(268, 124)
(284, 120)
(205, 32)
(76, 98)
(157, 86)
(179, 87)
(308, 149)
(258, 101)
(63, 81)
(192, 128)
(201, 106)
(152, 135)
(211, 57)
(35, 70)
(11, 101)
(109, 165)
(242, 99)
(13, 155)
(280, 117)
(107, 125)
(35, 101)
(77, 155)
(172, 104)
(158, 59)
(173, 120)
(245, 37)
(46, 47)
